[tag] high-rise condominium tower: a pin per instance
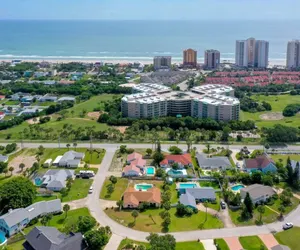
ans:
(162, 62)
(293, 54)
(261, 54)
(252, 53)
(211, 59)
(190, 57)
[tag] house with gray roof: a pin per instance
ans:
(213, 163)
(16, 219)
(71, 159)
(55, 179)
(197, 194)
(67, 98)
(258, 193)
(49, 238)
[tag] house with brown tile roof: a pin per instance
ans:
(136, 159)
(262, 163)
(132, 170)
(182, 161)
(132, 197)
(135, 165)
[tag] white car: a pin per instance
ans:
(91, 190)
(287, 225)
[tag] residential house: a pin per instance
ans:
(49, 82)
(3, 158)
(262, 163)
(16, 96)
(183, 160)
(191, 196)
(48, 98)
(29, 111)
(66, 82)
(39, 74)
(2, 115)
(135, 165)
(2, 97)
(280, 247)
(67, 98)
(27, 98)
(71, 159)
(214, 163)
(55, 179)
(16, 219)
(132, 197)
(49, 238)
(258, 193)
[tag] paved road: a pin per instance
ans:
(94, 204)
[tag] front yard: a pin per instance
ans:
(289, 238)
(119, 189)
(150, 220)
(252, 243)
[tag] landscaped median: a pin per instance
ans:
(151, 221)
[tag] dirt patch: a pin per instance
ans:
(121, 128)
(33, 120)
(94, 115)
(273, 116)
(27, 160)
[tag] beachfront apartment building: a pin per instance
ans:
(211, 59)
(190, 57)
(206, 101)
(252, 53)
(293, 54)
(162, 62)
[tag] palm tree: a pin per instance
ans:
(120, 204)
(281, 209)
(75, 145)
(68, 146)
(135, 214)
(208, 147)
(66, 208)
(11, 169)
(22, 166)
(261, 209)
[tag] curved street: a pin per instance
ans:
(119, 231)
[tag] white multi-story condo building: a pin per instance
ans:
(207, 101)
(293, 54)
(162, 62)
(252, 53)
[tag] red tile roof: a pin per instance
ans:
(134, 156)
(259, 162)
(131, 167)
(133, 197)
(184, 159)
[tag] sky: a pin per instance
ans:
(150, 9)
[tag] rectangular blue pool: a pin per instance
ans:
(187, 185)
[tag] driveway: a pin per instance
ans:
(208, 244)
(233, 243)
(269, 240)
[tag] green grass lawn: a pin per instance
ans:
(79, 190)
(120, 187)
(251, 242)
(289, 238)
(43, 103)
(278, 103)
(146, 224)
(59, 221)
(222, 245)
(212, 184)
(284, 158)
(216, 205)
(11, 102)
(189, 245)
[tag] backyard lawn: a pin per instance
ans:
(120, 187)
(284, 158)
(222, 245)
(251, 242)
(145, 223)
(289, 238)
(79, 189)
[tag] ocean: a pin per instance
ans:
(137, 40)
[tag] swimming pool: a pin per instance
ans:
(237, 188)
(3, 240)
(143, 186)
(187, 185)
(177, 173)
(150, 171)
(38, 181)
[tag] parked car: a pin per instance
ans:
(223, 205)
(287, 225)
(91, 190)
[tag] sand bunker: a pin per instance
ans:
(272, 116)
(93, 115)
